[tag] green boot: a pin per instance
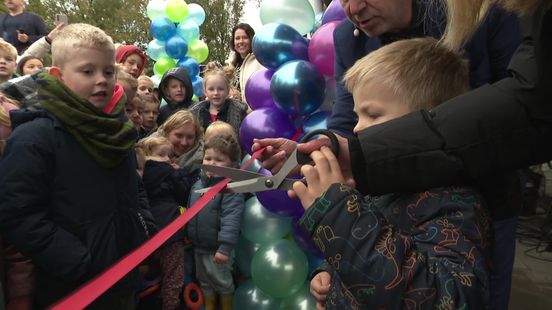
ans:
(226, 301)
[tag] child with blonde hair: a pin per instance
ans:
(214, 231)
(127, 82)
(145, 86)
(220, 129)
(8, 57)
(168, 189)
(150, 113)
(413, 250)
(218, 105)
(73, 207)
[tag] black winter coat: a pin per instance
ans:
(232, 112)
(168, 189)
(71, 216)
(506, 125)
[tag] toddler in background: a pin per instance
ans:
(150, 115)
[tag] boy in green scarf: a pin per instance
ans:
(69, 192)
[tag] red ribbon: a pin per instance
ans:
(91, 290)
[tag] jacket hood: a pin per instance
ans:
(182, 75)
(22, 116)
(126, 50)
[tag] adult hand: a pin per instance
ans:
(22, 37)
(52, 35)
(277, 152)
(320, 177)
(320, 287)
(220, 258)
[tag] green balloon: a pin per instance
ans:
(298, 14)
(249, 297)
(198, 50)
(301, 300)
(262, 226)
(245, 250)
(279, 268)
(163, 65)
(176, 10)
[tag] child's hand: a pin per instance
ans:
(320, 287)
(220, 258)
(325, 172)
(175, 166)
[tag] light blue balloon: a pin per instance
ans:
(156, 79)
(176, 47)
(197, 83)
(261, 226)
(156, 49)
(275, 44)
(188, 30)
(191, 65)
(245, 250)
(155, 9)
(298, 88)
(249, 297)
(196, 13)
(255, 165)
(162, 28)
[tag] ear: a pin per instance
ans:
(56, 72)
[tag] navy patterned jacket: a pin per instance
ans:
(411, 251)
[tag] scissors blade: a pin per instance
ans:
(246, 186)
(232, 173)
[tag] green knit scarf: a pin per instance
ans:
(106, 137)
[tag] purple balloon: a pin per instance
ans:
(304, 240)
(257, 89)
(321, 49)
(334, 12)
(278, 202)
(265, 123)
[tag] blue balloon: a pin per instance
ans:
(188, 29)
(197, 83)
(298, 88)
(196, 14)
(191, 65)
(162, 28)
(318, 120)
(176, 47)
(276, 44)
(156, 49)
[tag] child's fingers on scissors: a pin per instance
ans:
(333, 163)
(302, 192)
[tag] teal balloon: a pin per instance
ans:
(162, 29)
(176, 47)
(279, 268)
(249, 297)
(156, 49)
(298, 14)
(261, 226)
(156, 8)
(275, 44)
(196, 13)
(301, 300)
(245, 250)
(188, 30)
(298, 88)
(255, 165)
(191, 65)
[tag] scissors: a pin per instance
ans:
(249, 182)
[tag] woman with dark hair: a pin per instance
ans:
(243, 60)
(29, 65)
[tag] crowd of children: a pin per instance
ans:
(94, 135)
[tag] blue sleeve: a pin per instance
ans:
(232, 206)
(39, 27)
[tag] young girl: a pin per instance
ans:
(218, 105)
(29, 65)
(167, 188)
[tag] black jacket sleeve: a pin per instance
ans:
(492, 129)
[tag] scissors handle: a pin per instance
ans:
(303, 158)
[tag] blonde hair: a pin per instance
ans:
(4, 115)
(219, 129)
(179, 119)
(213, 70)
(421, 72)
(144, 78)
(147, 99)
(464, 16)
(149, 144)
(8, 49)
(228, 147)
(73, 37)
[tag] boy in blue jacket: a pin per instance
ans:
(403, 250)
(69, 192)
(215, 230)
